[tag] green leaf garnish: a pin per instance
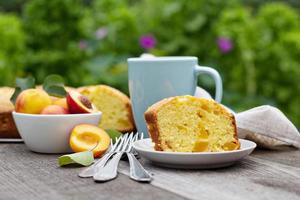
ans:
(113, 134)
(55, 90)
(84, 158)
(53, 79)
(54, 85)
(22, 84)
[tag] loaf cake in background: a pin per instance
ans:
(191, 124)
(7, 125)
(114, 105)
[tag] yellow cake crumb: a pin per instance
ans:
(191, 124)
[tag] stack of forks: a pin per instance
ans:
(106, 168)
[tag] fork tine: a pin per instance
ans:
(123, 139)
(118, 139)
(136, 137)
(128, 141)
(116, 144)
(133, 139)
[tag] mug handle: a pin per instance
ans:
(217, 78)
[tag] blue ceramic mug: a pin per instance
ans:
(153, 79)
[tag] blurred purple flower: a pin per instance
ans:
(225, 45)
(83, 44)
(101, 33)
(147, 41)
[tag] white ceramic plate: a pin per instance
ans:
(201, 160)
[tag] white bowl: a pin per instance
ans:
(50, 133)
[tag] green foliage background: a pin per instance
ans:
(88, 41)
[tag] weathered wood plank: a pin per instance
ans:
(289, 157)
(253, 178)
(26, 175)
(264, 175)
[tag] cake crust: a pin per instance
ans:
(152, 125)
(152, 122)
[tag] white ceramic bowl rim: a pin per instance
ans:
(57, 115)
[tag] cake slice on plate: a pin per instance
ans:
(191, 124)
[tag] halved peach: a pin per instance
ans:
(85, 137)
(78, 103)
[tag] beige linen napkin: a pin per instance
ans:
(265, 125)
(268, 127)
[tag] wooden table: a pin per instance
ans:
(263, 175)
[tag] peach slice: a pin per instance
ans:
(32, 101)
(78, 103)
(54, 110)
(85, 137)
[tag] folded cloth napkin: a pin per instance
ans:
(268, 127)
(265, 125)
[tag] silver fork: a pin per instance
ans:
(110, 170)
(91, 170)
(137, 171)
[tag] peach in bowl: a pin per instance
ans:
(45, 123)
(48, 133)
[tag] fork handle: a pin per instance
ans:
(137, 171)
(91, 170)
(110, 170)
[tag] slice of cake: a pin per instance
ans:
(191, 124)
(114, 105)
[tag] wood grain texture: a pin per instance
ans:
(264, 175)
(289, 156)
(26, 175)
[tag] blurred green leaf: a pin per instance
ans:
(54, 86)
(53, 79)
(25, 83)
(56, 91)
(196, 23)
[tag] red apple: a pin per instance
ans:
(78, 103)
